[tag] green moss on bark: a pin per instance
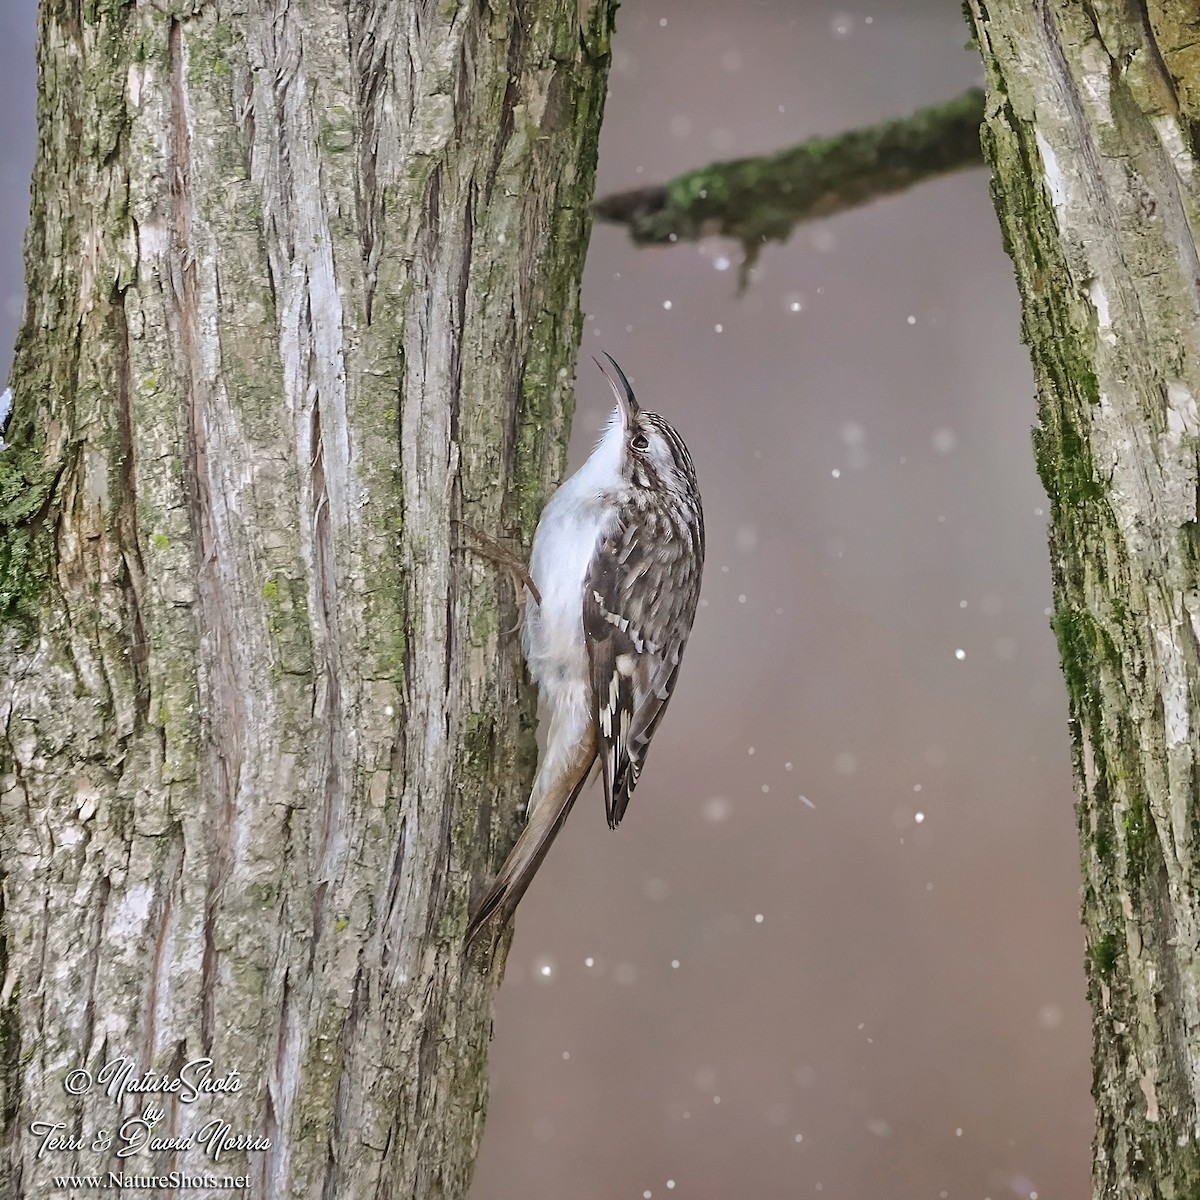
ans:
(761, 199)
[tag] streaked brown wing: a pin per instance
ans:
(636, 628)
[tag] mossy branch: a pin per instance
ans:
(757, 200)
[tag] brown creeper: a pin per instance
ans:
(616, 560)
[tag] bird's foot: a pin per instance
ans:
(490, 548)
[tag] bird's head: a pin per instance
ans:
(653, 454)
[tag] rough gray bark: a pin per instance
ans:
(1093, 112)
(302, 291)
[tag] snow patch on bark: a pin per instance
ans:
(131, 914)
(1056, 181)
(134, 81)
(1099, 298)
(1183, 420)
(1150, 1091)
(1171, 138)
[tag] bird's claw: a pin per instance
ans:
(489, 547)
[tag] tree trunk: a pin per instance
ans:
(302, 292)
(1093, 113)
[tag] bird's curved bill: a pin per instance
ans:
(622, 389)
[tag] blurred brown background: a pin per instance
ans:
(834, 949)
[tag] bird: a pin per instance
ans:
(613, 584)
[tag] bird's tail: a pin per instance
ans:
(552, 802)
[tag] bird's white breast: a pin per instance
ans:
(571, 525)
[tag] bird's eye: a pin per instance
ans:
(640, 442)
